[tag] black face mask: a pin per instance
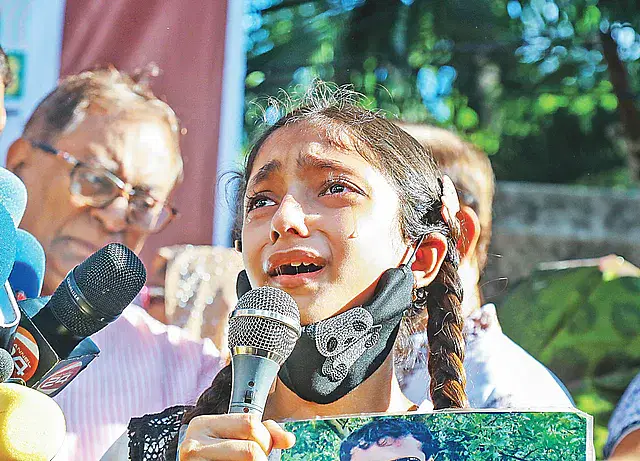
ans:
(334, 356)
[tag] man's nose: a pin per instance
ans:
(113, 217)
(290, 218)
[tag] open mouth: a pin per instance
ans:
(295, 269)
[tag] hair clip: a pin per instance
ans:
(449, 199)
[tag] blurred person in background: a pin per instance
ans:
(100, 157)
(500, 374)
(624, 425)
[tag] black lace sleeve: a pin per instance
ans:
(155, 437)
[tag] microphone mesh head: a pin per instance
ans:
(263, 332)
(109, 279)
(6, 365)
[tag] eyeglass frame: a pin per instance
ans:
(126, 189)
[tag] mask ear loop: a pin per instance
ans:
(419, 298)
(415, 250)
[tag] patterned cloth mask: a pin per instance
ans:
(335, 355)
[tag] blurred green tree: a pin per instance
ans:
(548, 88)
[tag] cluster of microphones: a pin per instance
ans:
(45, 341)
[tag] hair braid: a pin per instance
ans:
(214, 400)
(446, 341)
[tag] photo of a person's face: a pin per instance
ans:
(402, 449)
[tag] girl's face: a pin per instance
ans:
(320, 222)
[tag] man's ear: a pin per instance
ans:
(17, 156)
(470, 230)
(429, 259)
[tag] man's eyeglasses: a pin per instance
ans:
(406, 458)
(98, 187)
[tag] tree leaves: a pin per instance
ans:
(526, 72)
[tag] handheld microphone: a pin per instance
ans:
(13, 195)
(32, 426)
(92, 295)
(263, 330)
(27, 274)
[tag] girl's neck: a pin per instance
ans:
(379, 393)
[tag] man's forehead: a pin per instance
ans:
(139, 149)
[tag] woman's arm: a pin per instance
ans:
(628, 445)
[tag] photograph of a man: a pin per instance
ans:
(390, 439)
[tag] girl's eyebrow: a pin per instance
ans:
(311, 162)
(305, 161)
(265, 172)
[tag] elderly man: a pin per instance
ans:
(99, 157)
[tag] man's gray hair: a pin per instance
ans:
(62, 110)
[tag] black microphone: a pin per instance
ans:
(92, 295)
(263, 330)
(51, 345)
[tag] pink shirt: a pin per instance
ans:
(144, 366)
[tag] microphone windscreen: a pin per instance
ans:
(266, 318)
(6, 365)
(13, 195)
(32, 426)
(7, 244)
(27, 274)
(109, 280)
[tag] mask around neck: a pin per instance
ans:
(334, 356)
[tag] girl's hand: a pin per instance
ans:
(235, 437)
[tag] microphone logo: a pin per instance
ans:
(26, 355)
(59, 378)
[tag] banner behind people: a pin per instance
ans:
(31, 34)
(188, 45)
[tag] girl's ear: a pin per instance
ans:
(429, 259)
(470, 232)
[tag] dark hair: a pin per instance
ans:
(5, 69)
(378, 431)
(470, 170)
(416, 179)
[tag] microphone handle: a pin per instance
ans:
(252, 377)
(62, 340)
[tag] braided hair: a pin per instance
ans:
(416, 179)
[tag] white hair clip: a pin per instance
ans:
(450, 202)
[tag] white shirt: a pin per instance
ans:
(144, 366)
(500, 374)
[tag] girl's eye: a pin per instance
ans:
(338, 188)
(258, 201)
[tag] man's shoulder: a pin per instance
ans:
(152, 330)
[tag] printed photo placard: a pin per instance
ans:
(445, 436)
